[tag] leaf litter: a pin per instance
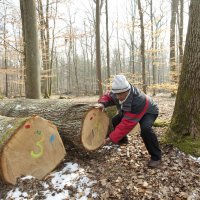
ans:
(117, 172)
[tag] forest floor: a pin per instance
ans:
(117, 172)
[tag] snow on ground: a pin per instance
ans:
(71, 176)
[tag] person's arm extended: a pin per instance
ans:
(129, 121)
(107, 99)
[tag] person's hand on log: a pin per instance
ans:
(99, 106)
(106, 141)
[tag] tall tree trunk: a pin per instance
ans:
(46, 92)
(142, 47)
(174, 8)
(107, 43)
(5, 53)
(119, 63)
(24, 44)
(132, 36)
(185, 119)
(181, 33)
(88, 80)
(152, 47)
(32, 80)
(98, 50)
(75, 66)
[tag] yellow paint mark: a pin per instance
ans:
(39, 144)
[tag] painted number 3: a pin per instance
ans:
(39, 144)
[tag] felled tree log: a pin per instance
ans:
(94, 129)
(28, 146)
(65, 114)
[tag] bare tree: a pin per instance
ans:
(98, 46)
(180, 27)
(142, 47)
(185, 119)
(132, 57)
(107, 42)
(174, 7)
(5, 48)
(32, 81)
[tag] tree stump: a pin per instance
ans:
(28, 146)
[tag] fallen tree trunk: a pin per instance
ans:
(28, 146)
(65, 114)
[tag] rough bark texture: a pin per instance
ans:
(142, 47)
(174, 7)
(8, 126)
(186, 118)
(32, 49)
(98, 50)
(66, 115)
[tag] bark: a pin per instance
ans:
(142, 47)
(32, 58)
(153, 46)
(107, 43)
(5, 51)
(119, 63)
(181, 33)
(185, 119)
(27, 140)
(174, 7)
(66, 115)
(132, 36)
(74, 58)
(43, 46)
(98, 51)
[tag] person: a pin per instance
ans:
(133, 107)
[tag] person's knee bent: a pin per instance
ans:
(146, 130)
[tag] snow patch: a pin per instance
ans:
(18, 106)
(9, 126)
(71, 181)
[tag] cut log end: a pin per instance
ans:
(94, 129)
(34, 149)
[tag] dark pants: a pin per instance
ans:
(147, 133)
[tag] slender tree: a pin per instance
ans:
(132, 35)
(173, 70)
(107, 42)
(180, 26)
(5, 48)
(142, 47)
(32, 81)
(98, 50)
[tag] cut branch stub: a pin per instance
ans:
(94, 129)
(28, 146)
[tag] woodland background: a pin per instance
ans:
(73, 48)
(81, 45)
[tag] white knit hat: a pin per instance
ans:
(120, 84)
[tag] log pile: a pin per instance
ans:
(28, 146)
(65, 114)
(68, 116)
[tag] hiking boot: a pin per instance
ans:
(154, 163)
(123, 141)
